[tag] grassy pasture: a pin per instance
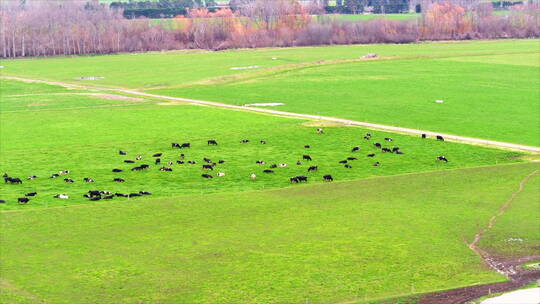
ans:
(85, 140)
(346, 241)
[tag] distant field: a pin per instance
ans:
(340, 242)
(83, 133)
(472, 77)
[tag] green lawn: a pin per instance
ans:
(84, 136)
(345, 241)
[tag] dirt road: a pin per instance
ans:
(456, 138)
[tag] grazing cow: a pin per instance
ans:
(54, 175)
(221, 161)
(136, 169)
(144, 166)
(63, 172)
(268, 171)
(320, 131)
(170, 163)
(253, 176)
(355, 149)
(119, 180)
(282, 165)
(94, 193)
(368, 134)
(388, 139)
(307, 147)
(95, 198)
(182, 156)
(122, 152)
(120, 195)
(23, 200)
(312, 168)
(165, 169)
(117, 170)
(221, 174)
(134, 194)
(175, 145)
(13, 180)
(352, 158)
(440, 138)
(367, 137)
(212, 142)
(328, 178)
(395, 149)
(2, 201)
(88, 180)
(263, 142)
(180, 162)
(208, 160)
(273, 166)
(157, 155)
(207, 176)
(306, 157)
(139, 157)
(145, 193)
(302, 178)
(299, 163)
(399, 152)
(424, 135)
(105, 192)
(386, 150)
(442, 158)
(294, 180)
(260, 162)
(158, 161)
(62, 196)
(31, 194)
(343, 161)
(127, 161)
(244, 141)
(207, 167)
(108, 197)
(69, 180)
(32, 177)
(186, 145)
(371, 155)
(192, 162)
(376, 164)
(378, 145)
(348, 166)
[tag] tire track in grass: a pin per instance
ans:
(6, 285)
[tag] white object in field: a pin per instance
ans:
(253, 176)
(267, 104)
(1, 66)
(370, 55)
(62, 196)
(90, 78)
(439, 101)
(522, 296)
(274, 58)
(221, 174)
(245, 68)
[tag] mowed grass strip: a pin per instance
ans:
(86, 142)
(344, 241)
(488, 100)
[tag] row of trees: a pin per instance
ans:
(71, 28)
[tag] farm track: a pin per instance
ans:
(347, 122)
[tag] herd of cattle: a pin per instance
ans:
(207, 165)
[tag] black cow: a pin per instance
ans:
(388, 139)
(95, 198)
(182, 156)
(221, 161)
(348, 166)
(207, 167)
(212, 142)
(312, 168)
(244, 141)
(268, 171)
(2, 201)
(306, 157)
(355, 149)
(136, 169)
(127, 161)
(119, 180)
(175, 145)
(328, 178)
(180, 162)
(192, 162)
(302, 178)
(158, 161)
(299, 163)
(134, 194)
(395, 149)
(108, 197)
(54, 175)
(260, 162)
(352, 158)
(294, 180)
(376, 164)
(343, 161)
(367, 137)
(307, 146)
(23, 200)
(399, 152)
(273, 166)
(207, 176)
(424, 135)
(145, 193)
(117, 170)
(165, 169)
(157, 154)
(378, 145)
(13, 180)
(144, 166)
(122, 152)
(94, 193)
(208, 160)
(371, 155)
(386, 150)
(185, 145)
(263, 142)
(442, 158)
(31, 194)
(88, 180)
(120, 195)
(440, 138)
(32, 177)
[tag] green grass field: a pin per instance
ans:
(346, 241)
(84, 137)
(472, 77)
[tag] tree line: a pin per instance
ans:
(72, 28)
